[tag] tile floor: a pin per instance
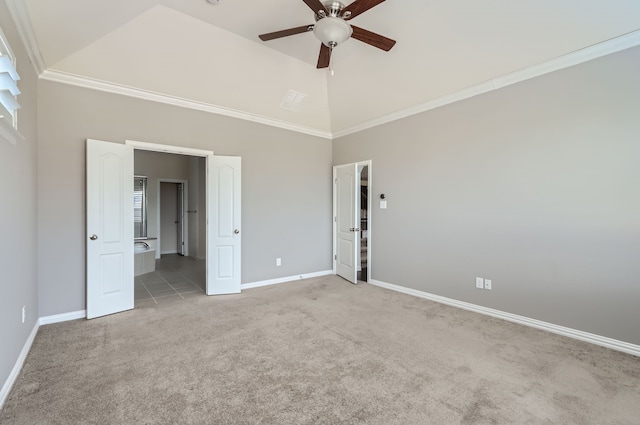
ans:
(176, 277)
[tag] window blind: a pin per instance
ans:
(8, 86)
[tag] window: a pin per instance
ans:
(140, 207)
(8, 89)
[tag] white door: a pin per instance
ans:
(347, 219)
(109, 228)
(223, 229)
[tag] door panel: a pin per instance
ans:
(109, 228)
(223, 234)
(347, 211)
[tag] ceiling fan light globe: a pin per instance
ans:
(332, 31)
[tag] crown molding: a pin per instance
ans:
(586, 54)
(20, 16)
(105, 86)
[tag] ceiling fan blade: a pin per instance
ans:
(315, 5)
(325, 57)
(360, 6)
(375, 40)
(285, 33)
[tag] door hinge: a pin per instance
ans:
(335, 257)
(335, 181)
(335, 219)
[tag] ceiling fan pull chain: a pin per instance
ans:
(331, 61)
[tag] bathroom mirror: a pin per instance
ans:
(140, 207)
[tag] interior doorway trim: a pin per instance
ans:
(185, 218)
(157, 147)
(208, 155)
(361, 165)
(180, 150)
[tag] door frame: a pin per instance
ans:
(208, 155)
(185, 218)
(361, 165)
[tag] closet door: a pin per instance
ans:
(347, 234)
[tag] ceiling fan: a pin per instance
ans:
(332, 28)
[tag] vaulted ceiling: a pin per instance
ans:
(209, 56)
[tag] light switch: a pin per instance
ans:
(383, 205)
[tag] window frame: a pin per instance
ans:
(9, 127)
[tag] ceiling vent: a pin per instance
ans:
(292, 101)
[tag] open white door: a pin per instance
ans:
(223, 225)
(347, 221)
(109, 228)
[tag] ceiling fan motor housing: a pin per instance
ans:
(333, 8)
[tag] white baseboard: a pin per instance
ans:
(17, 367)
(64, 317)
(284, 279)
(614, 344)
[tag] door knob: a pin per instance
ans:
(236, 231)
(93, 237)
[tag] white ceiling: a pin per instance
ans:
(211, 55)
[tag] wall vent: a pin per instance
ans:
(292, 100)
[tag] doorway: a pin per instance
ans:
(363, 260)
(352, 226)
(172, 217)
(110, 223)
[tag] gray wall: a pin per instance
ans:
(286, 184)
(18, 221)
(535, 186)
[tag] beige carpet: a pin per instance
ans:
(320, 351)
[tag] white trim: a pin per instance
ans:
(9, 133)
(284, 279)
(105, 86)
(595, 51)
(64, 317)
(17, 367)
(158, 147)
(20, 16)
(577, 57)
(611, 343)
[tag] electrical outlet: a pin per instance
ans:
(479, 283)
(278, 262)
(487, 284)
(24, 313)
